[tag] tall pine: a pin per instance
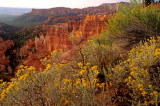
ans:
(148, 2)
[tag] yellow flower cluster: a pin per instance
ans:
(31, 68)
(23, 77)
(155, 93)
(48, 67)
(78, 81)
(19, 72)
(101, 85)
(53, 52)
(21, 66)
(157, 52)
(80, 64)
(81, 72)
(87, 64)
(7, 90)
(66, 81)
(94, 67)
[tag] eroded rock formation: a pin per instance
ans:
(57, 37)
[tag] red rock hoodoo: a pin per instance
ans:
(57, 37)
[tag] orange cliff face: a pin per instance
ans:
(93, 25)
(4, 61)
(57, 37)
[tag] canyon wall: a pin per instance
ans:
(57, 37)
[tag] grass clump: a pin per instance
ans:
(134, 23)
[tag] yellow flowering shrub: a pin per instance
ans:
(57, 84)
(96, 54)
(55, 57)
(140, 72)
(63, 84)
(76, 38)
(144, 69)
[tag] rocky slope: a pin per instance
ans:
(57, 37)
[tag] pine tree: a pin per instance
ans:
(148, 2)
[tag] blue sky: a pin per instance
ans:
(54, 3)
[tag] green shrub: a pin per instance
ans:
(134, 23)
(95, 53)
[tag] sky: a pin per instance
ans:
(54, 3)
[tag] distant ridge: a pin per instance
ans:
(62, 14)
(8, 14)
(13, 11)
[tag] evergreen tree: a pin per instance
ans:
(148, 2)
